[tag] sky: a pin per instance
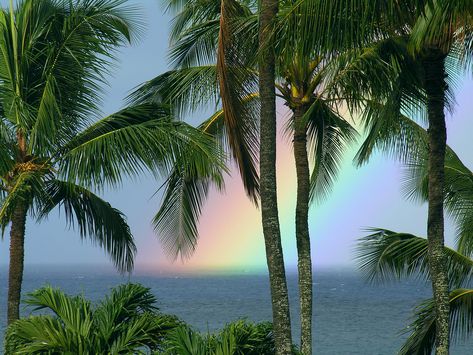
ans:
(230, 227)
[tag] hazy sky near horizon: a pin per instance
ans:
(231, 236)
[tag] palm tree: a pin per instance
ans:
(54, 55)
(125, 322)
(434, 32)
(385, 254)
(196, 82)
(267, 156)
(307, 87)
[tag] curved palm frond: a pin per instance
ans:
(186, 189)
(94, 218)
(196, 46)
(74, 312)
(27, 185)
(421, 341)
(392, 133)
(385, 255)
(185, 341)
(40, 335)
(185, 90)
(328, 135)
(236, 82)
(72, 45)
(127, 142)
(458, 194)
(189, 13)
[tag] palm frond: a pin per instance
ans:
(196, 46)
(392, 133)
(95, 219)
(39, 335)
(125, 322)
(458, 194)
(421, 341)
(26, 186)
(185, 341)
(57, 54)
(176, 221)
(236, 82)
(185, 90)
(385, 255)
(74, 312)
(329, 135)
(127, 142)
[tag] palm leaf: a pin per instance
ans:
(185, 90)
(392, 133)
(385, 255)
(421, 341)
(74, 312)
(126, 143)
(236, 82)
(95, 218)
(186, 189)
(328, 135)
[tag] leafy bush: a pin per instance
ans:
(125, 322)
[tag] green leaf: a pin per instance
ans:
(95, 218)
(421, 341)
(385, 255)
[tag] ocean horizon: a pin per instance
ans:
(351, 316)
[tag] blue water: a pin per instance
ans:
(351, 317)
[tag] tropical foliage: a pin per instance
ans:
(386, 254)
(125, 322)
(215, 53)
(240, 337)
(412, 52)
(55, 149)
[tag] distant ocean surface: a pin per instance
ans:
(351, 317)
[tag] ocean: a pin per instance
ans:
(350, 316)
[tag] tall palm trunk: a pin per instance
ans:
(435, 86)
(304, 263)
(269, 207)
(17, 254)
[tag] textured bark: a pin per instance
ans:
(434, 66)
(17, 254)
(269, 206)
(304, 262)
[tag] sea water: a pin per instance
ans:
(350, 315)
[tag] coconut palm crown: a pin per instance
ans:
(55, 148)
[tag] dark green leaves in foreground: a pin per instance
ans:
(386, 255)
(237, 338)
(421, 341)
(125, 322)
(94, 218)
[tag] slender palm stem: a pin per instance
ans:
(269, 207)
(435, 86)
(302, 228)
(17, 255)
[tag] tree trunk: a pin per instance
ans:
(17, 254)
(435, 86)
(269, 207)
(304, 262)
